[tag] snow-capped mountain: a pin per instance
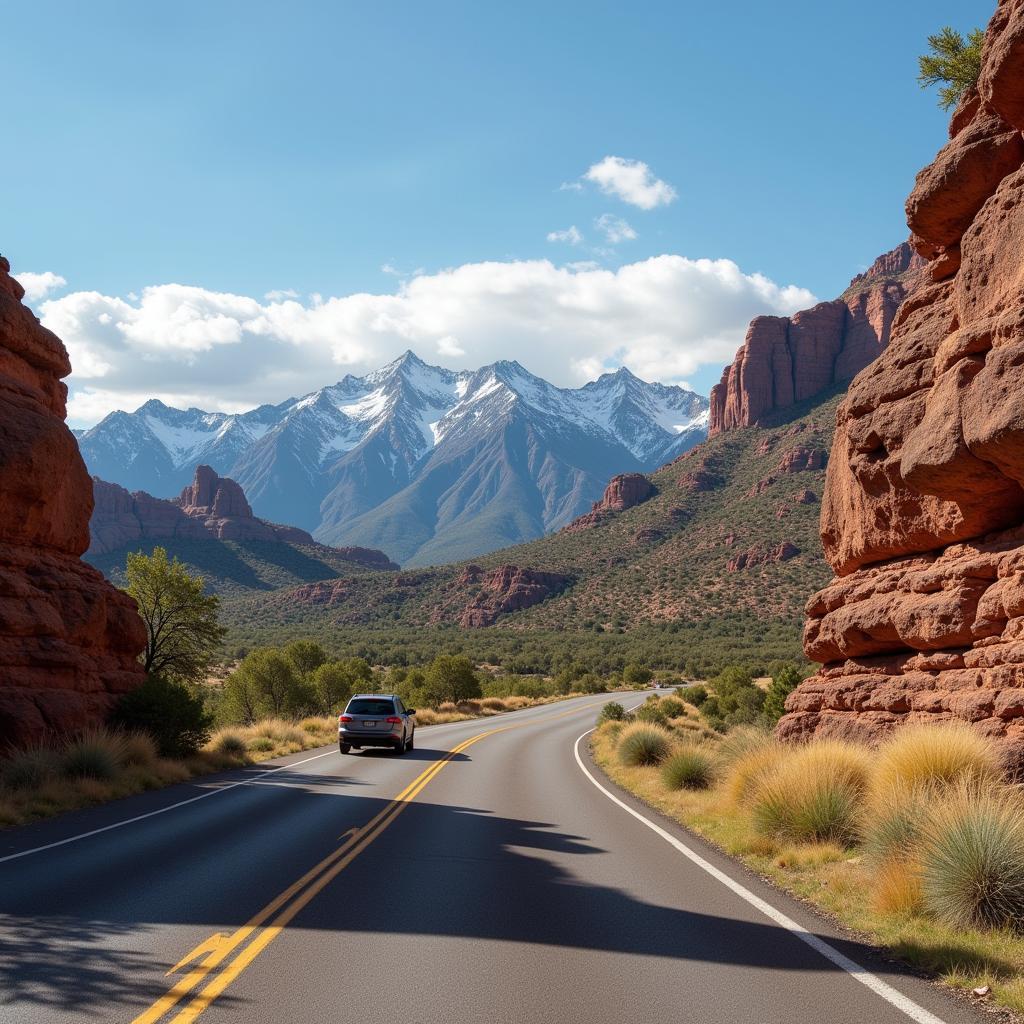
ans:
(429, 464)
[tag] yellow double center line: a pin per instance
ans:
(265, 926)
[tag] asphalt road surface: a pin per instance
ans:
(483, 877)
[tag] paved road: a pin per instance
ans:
(482, 878)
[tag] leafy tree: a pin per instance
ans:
(170, 712)
(239, 701)
(305, 655)
(784, 682)
(182, 631)
(637, 675)
(269, 685)
(450, 677)
(954, 63)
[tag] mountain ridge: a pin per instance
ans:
(428, 463)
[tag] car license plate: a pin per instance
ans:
(369, 725)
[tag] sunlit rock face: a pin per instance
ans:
(923, 507)
(69, 641)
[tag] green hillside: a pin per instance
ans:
(653, 583)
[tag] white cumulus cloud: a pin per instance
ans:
(663, 317)
(38, 286)
(571, 235)
(614, 229)
(632, 181)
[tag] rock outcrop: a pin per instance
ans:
(623, 491)
(508, 588)
(787, 359)
(755, 556)
(211, 507)
(923, 506)
(69, 641)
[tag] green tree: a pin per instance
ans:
(954, 63)
(450, 677)
(784, 682)
(637, 675)
(182, 631)
(332, 684)
(274, 687)
(305, 655)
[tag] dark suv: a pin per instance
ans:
(376, 720)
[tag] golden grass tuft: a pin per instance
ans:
(140, 749)
(940, 754)
(745, 772)
(896, 888)
(644, 743)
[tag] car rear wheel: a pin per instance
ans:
(344, 748)
(412, 740)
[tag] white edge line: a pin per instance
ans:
(881, 988)
(202, 796)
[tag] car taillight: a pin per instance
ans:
(344, 718)
(393, 720)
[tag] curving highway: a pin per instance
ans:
(491, 875)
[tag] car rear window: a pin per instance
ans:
(367, 706)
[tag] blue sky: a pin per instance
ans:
(253, 148)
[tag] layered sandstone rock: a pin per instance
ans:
(508, 588)
(623, 491)
(923, 507)
(787, 359)
(211, 507)
(755, 556)
(69, 641)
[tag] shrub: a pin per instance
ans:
(690, 767)
(637, 675)
(784, 682)
(651, 711)
(954, 63)
(140, 749)
(167, 711)
(671, 707)
(261, 743)
(613, 711)
(96, 754)
(942, 754)
(230, 743)
(644, 743)
(27, 769)
(450, 678)
(695, 695)
(814, 794)
(972, 858)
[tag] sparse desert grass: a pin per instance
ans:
(96, 754)
(876, 885)
(228, 741)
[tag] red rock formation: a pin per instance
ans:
(802, 459)
(324, 592)
(623, 491)
(69, 641)
(787, 359)
(923, 505)
(510, 588)
(762, 556)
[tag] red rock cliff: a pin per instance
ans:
(787, 359)
(68, 639)
(923, 507)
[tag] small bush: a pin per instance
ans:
(815, 794)
(229, 743)
(695, 695)
(96, 754)
(671, 707)
(651, 711)
(688, 768)
(972, 858)
(140, 749)
(169, 712)
(261, 744)
(27, 769)
(613, 711)
(942, 754)
(644, 743)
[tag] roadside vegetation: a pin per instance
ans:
(918, 845)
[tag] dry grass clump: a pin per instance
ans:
(972, 858)
(140, 749)
(96, 754)
(261, 744)
(741, 741)
(745, 772)
(30, 768)
(942, 754)
(897, 888)
(644, 743)
(814, 794)
(690, 767)
(229, 742)
(493, 704)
